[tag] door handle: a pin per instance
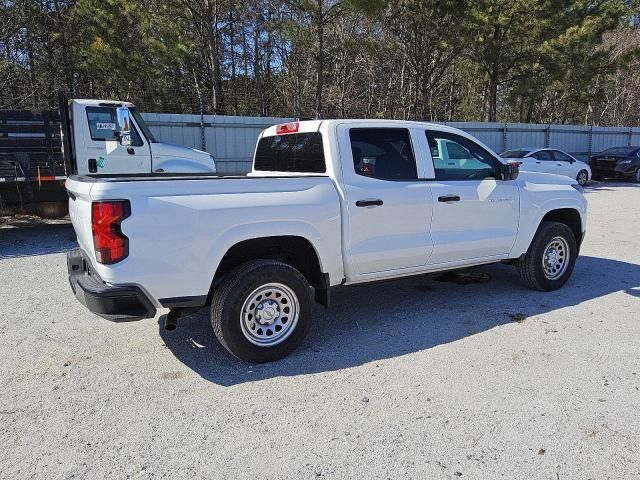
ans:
(369, 203)
(538, 162)
(449, 198)
(131, 151)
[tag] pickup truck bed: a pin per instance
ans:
(165, 211)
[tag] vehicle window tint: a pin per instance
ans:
(544, 155)
(296, 152)
(384, 153)
(563, 157)
(458, 158)
(102, 123)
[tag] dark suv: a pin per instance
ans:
(617, 162)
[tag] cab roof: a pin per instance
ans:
(306, 126)
(99, 103)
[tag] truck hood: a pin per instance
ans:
(544, 178)
(177, 159)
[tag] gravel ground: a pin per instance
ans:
(414, 378)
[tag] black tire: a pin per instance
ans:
(636, 176)
(530, 267)
(240, 284)
(582, 178)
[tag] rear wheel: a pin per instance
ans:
(550, 259)
(636, 176)
(262, 312)
(582, 178)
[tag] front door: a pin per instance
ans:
(544, 162)
(563, 164)
(104, 154)
(475, 213)
(388, 208)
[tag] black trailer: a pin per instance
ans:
(32, 165)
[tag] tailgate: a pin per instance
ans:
(80, 213)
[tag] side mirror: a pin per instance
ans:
(124, 126)
(510, 170)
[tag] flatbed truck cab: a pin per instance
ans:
(104, 137)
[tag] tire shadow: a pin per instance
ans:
(394, 318)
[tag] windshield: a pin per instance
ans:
(143, 126)
(620, 150)
(515, 153)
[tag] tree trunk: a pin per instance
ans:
(319, 59)
(232, 57)
(491, 97)
(257, 70)
(214, 45)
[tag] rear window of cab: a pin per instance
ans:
(295, 152)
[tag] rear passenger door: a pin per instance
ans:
(386, 228)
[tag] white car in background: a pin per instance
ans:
(549, 160)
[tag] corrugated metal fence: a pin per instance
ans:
(579, 140)
(231, 140)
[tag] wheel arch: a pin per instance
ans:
(295, 250)
(571, 213)
(568, 216)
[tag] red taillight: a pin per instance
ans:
(284, 128)
(110, 244)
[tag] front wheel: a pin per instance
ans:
(262, 312)
(636, 176)
(582, 178)
(550, 259)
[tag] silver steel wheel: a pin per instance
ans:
(269, 314)
(555, 259)
(583, 177)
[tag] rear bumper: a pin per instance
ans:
(120, 303)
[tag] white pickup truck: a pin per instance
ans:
(328, 203)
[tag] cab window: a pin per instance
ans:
(544, 155)
(102, 123)
(383, 153)
(458, 158)
(296, 152)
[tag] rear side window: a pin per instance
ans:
(384, 153)
(297, 152)
(102, 123)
